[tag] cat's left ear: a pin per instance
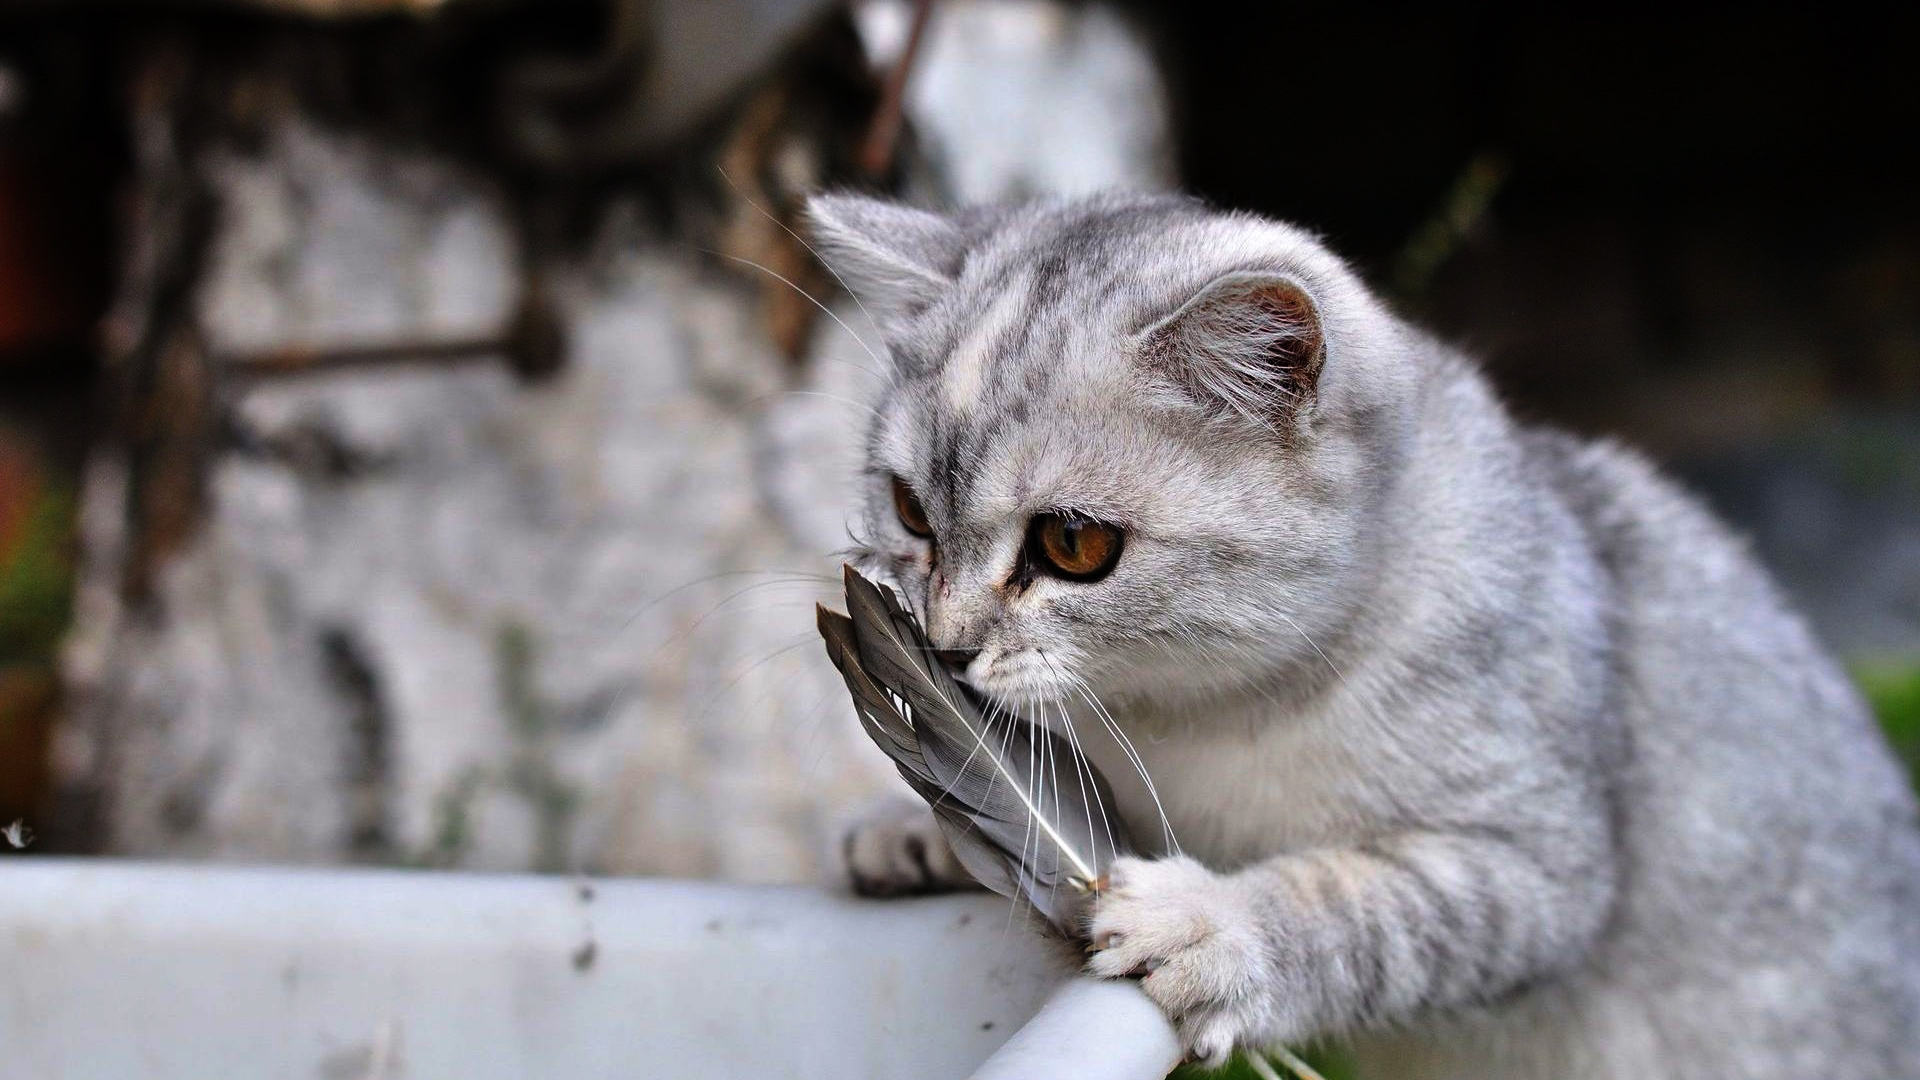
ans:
(895, 258)
(1248, 344)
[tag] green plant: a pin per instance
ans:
(1892, 687)
(1331, 1064)
(36, 578)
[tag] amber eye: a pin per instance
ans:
(1073, 547)
(913, 516)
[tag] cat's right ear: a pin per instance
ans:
(1248, 345)
(897, 260)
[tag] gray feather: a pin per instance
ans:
(1024, 811)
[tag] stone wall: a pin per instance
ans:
(439, 613)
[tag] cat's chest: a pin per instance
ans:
(1235, 790)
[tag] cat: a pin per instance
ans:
(1477, 745)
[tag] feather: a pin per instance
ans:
(1025, 812)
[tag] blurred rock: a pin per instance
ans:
(440, 615)
(1016, 98)
(341, 619)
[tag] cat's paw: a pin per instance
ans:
(894, 848)
(1192, 939)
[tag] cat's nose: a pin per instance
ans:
(956, 659)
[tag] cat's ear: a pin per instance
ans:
(1248, 345)
(895, 258)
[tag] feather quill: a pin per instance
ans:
(1025, 812)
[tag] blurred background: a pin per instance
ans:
(418, 445)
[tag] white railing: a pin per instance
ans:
(111, 969)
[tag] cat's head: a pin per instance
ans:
(1126, 443)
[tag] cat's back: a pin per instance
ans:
(1713, 657)
(1769, 836)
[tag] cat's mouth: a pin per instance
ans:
(1025, 681)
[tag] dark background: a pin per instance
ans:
(1681, 194)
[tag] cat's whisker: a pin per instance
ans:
(1048, 779)
(1081, 687)
(1028, 833)
(821, 259)
(995, 715)
(1035, 758)
(1300, 1069)
(1082, 768)
(993, 711)
(1208, 649)
(719, 695)
(725, 604)
(760, 399)
(710, 578)
(1050, 776)
(811, 299)
(870, 410)
(846, 362)
(628, 687)
(1314, 644)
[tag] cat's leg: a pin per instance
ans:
(1339, 940)
(894, 848)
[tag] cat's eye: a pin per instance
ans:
(1074, 547)
(913, 516)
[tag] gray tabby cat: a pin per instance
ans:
(1482, 746)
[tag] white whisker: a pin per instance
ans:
(1314, 644)
(810, 298)
(821, 259)
(1085, 691)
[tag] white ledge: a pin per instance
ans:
(115, 969)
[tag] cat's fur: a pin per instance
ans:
(1485, 746)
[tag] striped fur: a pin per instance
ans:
(1477, 744)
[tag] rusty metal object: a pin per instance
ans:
(883, 136)
(160, 382)
(800, 131)
(533, 346)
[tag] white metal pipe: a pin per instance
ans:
(112, 969)
(1090, 1029)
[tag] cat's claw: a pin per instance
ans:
(1193, 942)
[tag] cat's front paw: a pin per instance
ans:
(895, 848)
(1193, 941)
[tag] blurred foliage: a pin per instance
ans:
(452, 832)
(1892, 687)
(1441, 236)
(36, 599)
(36, 570)
(532, 774)
(1333, 1065)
